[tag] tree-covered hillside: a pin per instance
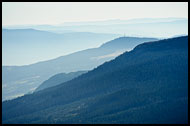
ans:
(147, 85)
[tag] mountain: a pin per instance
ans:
(153, 29)
(148, 85)
(31, 46)
(129, 21)
(19, 80)
(147, 27)
(58, 79)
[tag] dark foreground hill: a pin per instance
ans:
(146, 85)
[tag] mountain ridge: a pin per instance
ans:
(153, 83)
(35, 74)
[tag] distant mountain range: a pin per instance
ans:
(58, 79)
(129, 21)
(19, 80)
(28, 46)
(148, 85)
(141, 27)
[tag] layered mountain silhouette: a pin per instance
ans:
(58, 79)
(146, 27)
(19, 80)
(36, 45)
(138, 28)
(146, 85)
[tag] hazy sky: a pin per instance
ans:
(53, 13)
(21, 13)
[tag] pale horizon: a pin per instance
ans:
(89, 21)
(49, 13)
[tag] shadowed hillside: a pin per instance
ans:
(146, 85)
(19, 80)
